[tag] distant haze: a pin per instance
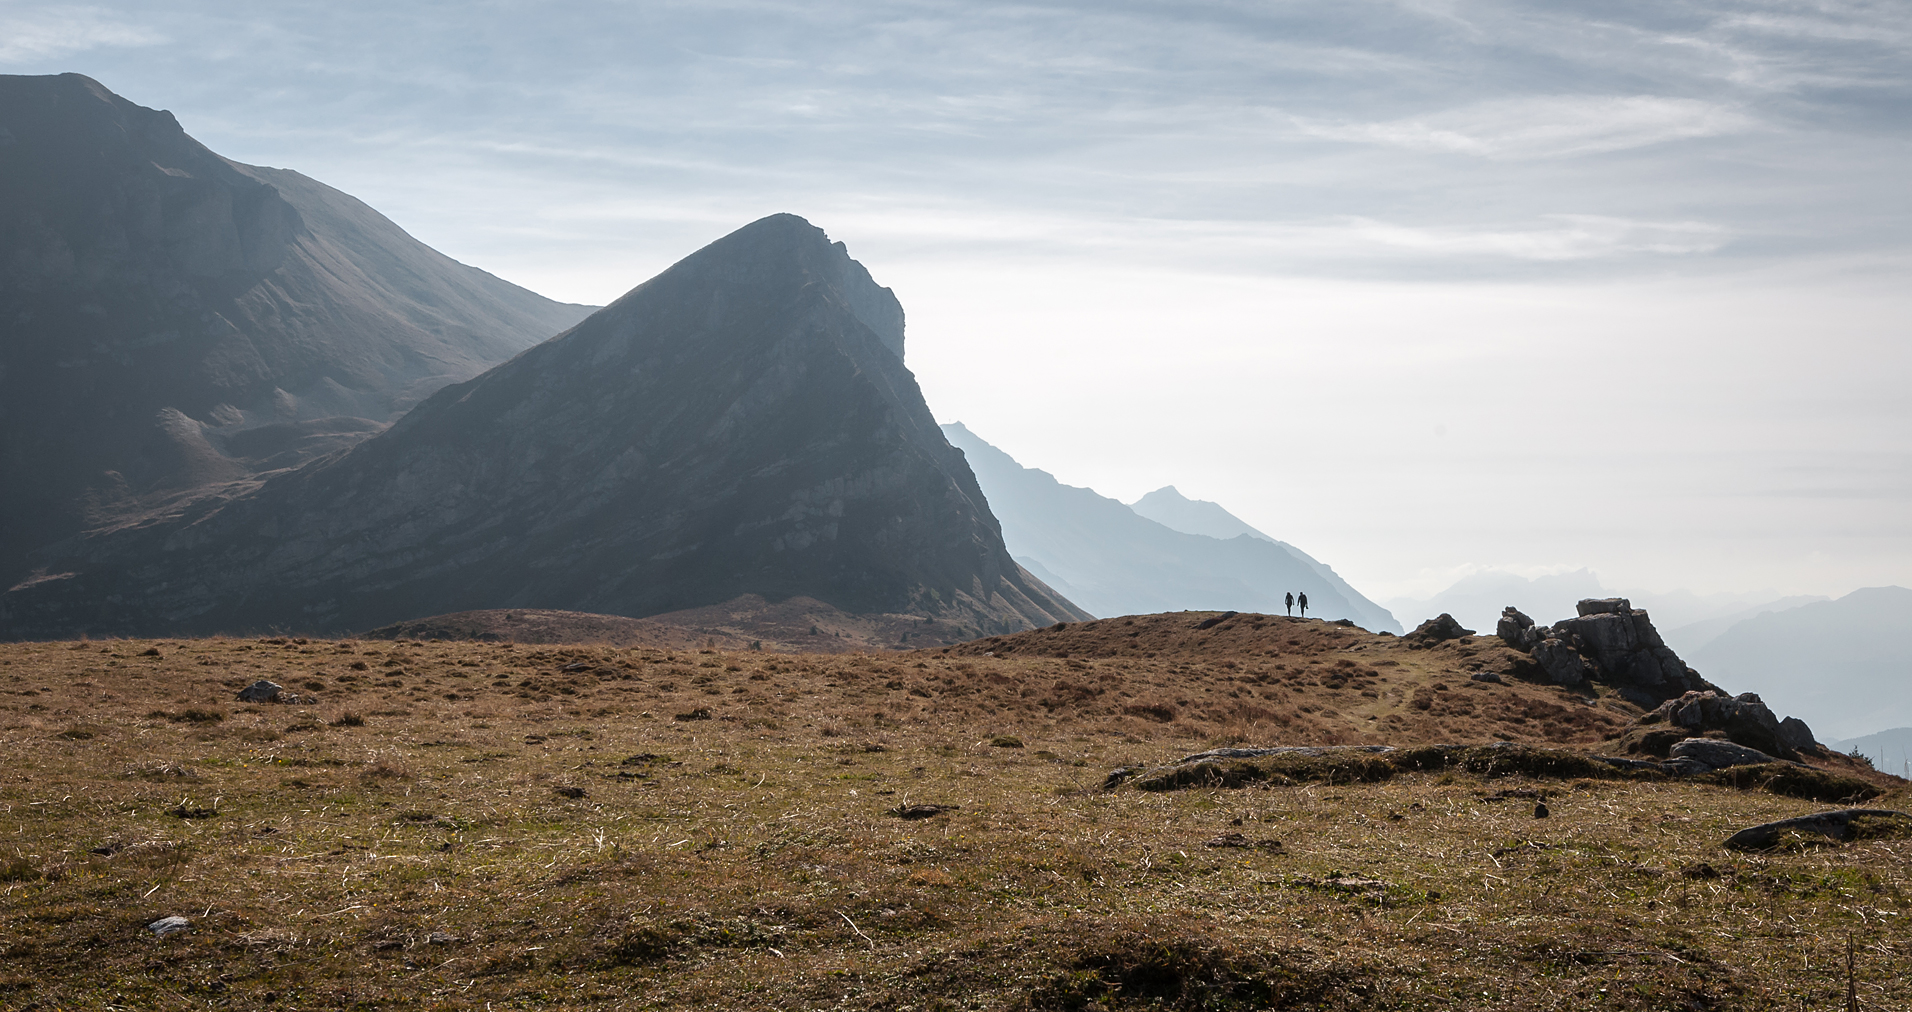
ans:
(1431, 288)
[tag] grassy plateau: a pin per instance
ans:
(503, 826)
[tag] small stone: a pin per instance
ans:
(1487, 676)
(440, 938)
(921, 811)
(261, 691)
(568, 792)
(168, 925)
(1540, 810)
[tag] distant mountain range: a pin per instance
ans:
(1166, 553)
(1843, 666)
(1890, 751)
(171, 320)
(740, 424)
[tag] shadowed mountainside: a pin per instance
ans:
(740, 424)
(1111, 560)
(171, 320)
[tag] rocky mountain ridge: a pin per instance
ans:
(171, 320)
(740, 424)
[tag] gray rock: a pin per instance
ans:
(1603, 606)
(1685, 767)
(169, 925)
(261, 691)
(1837, 825)
(1719, 754)
(1794, 734)
(1516, 629)
(1744, 719)
(1439, 629)
(1487, 676)
(1562, 663)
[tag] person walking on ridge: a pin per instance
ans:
(1290, 602)
(1303, 602)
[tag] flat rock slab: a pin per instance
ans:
(1242, 840)
(921, 811)
(1837, 825)
(1719, 754)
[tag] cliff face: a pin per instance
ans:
(741, 423)
(171, 320)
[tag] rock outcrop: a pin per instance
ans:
(1744, 719)
(1609, 641)
(171, 320)
(1439, 629)
(740, 424)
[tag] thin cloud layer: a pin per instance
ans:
(1558, 126)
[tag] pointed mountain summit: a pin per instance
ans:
(1112, 560)
(171, 320)
(1170, 508)
(740, 424)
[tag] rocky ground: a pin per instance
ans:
(462, 824)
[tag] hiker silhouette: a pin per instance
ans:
(1303, 602)
(1290, 602)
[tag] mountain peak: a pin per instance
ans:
(780, 249)
(737, 425)
(1170, 508)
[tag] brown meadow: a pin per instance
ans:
(467, 825)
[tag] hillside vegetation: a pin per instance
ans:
(456, 825)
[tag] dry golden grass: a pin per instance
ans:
(532, 827)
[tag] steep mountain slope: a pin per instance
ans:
(740, 424)
(1112, 561)
(1177, 512)
(170, 320)
(1845, 666)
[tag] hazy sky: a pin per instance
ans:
(1422, 287)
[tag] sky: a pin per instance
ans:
(1424, 288)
